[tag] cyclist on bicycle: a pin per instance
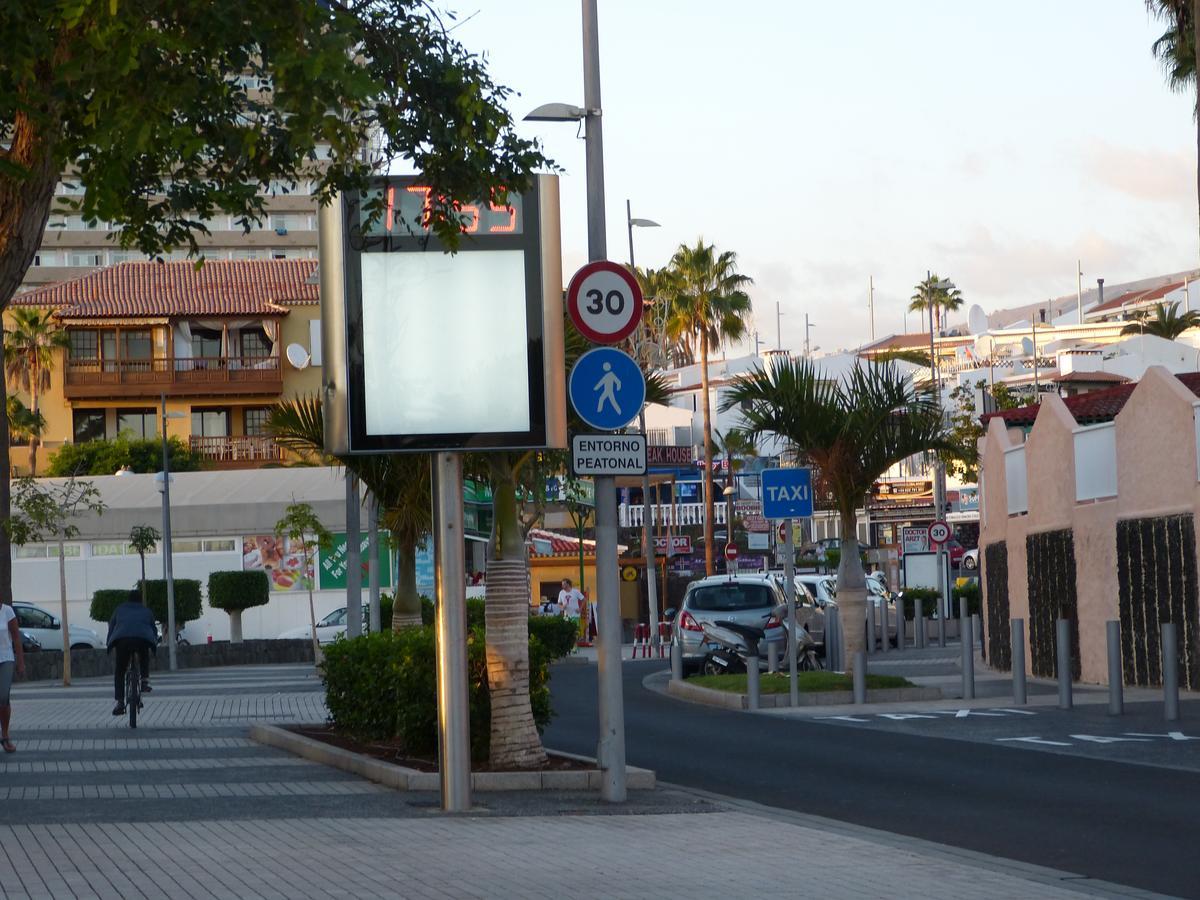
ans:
(131, 630)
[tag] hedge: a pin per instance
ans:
(187, 599)
(105, 601)
(383, 687)
(475, 613)
(104, 457)
(558, 635)
(236, 590)
(927, 596)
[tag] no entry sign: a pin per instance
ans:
(605, 302)
(731, 552)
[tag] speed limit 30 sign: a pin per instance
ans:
(939, 533)
(605, 302)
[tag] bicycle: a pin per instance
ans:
(133, 689)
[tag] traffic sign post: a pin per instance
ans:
(604, 301)
(607, 388)
(731, 555)
(608, 454)
(939, 533)
(787, 493)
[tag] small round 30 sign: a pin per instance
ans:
(939, 533)
(605, 302)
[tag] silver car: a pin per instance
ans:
(46, 629)
(824, 589)
(744, 599)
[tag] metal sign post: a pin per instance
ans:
(787, 494)
(789, 591)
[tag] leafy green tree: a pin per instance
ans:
(966, 429)
(235, 592)
(933, 295)
(708, 304)
(1167, 323)
(140, 455)
(854, 430)
(22, 423)
(170, 114)
(143, 539)
(303, 529)
(29, 352)
(48, 511)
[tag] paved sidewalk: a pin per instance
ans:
(186, 806)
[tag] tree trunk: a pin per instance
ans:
(515, 742)
(406, 602)
(851, 590)
(34, 378)
(708, 458)
(235, 626)
(66, 625)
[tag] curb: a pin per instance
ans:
(730, 700)
(402, 778)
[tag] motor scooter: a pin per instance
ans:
(730, 646)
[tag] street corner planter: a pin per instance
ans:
(730, 700)
(402, 778)
(46, 665)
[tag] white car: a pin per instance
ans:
(46, 629)
(329, 628)
(970, 560)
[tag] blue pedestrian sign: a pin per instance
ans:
(787, 493)
(607, 388)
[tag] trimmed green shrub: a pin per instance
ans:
(105, 600)
(237, 590)
(106, 457)
(927, 597)
(386, 604)
(974, 596)
(556, 634)
(187, 599)
(475, 613)
(383, 687)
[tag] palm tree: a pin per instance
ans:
(736, 446)
(708, 303)
(853, 430)
(935, 295)
(1167, 322)
(658, 350)
(29, 356)
(22, 424)
(1178, 49)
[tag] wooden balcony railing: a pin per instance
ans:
(176, 376)
(238, 451)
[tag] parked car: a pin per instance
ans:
(29, 643)
(956, 550)
(329, 628)
(824, 589)
(46, 629)
(809, 613)
(745, 599)
(970, 560)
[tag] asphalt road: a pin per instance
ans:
(1124, 823)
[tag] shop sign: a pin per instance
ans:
(669, 455)
(915, 539)
(750, 512)
(332, 563)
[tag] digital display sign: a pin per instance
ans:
(427, 350)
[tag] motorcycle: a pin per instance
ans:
(180, 640)
(732, 645)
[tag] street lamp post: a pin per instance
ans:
(939, 469)
(164, 485)
(729, 491)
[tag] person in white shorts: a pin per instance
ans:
(12, 660)
(570, 601)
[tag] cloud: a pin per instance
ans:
(1156, 175)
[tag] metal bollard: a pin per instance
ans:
(900, 624)
(676, 661)
(976, 631)
(1063, 641)
(752, 695)
(772, 657)
(941, 620)
(967, 626)
(919, 624)
(883, 627)
(869, 627)
(1116, 679)
(1170, 669)
(1017, 632)
(860, 676)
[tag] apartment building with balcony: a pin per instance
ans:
(213, 340)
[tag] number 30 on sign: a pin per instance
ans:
(605, 302)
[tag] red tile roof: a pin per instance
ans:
(1136, 298)
(1091, 408)
(560, 544)
(147, 289)
(1090, 378)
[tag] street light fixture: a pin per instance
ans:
(729, 491)
(939, 469)
(163, 482)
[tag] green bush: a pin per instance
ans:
(234, 591)
(106, 457)
(928, 598)
(386, 604)
(556, 634)
(475, 612)
(972, 593)
(104, 601)
(187, 599)
(383, 686)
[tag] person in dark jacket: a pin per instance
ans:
(131, 630)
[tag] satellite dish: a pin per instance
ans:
(977, 320)
(298, 356)
(1026, 347)
(985, 346)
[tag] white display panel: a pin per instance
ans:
(452, 331)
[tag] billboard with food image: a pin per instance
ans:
(281, 558)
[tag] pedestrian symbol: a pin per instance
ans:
(607, 388)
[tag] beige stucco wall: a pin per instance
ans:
(1156, 475)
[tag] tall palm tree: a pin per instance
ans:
(853, 430)
(1167, 322)
(708, 303)
(736, 446)
(934, 295)
(1178, 49)
(29, 352)
(658, 288)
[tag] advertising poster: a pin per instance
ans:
(281, 558)
(332, 563)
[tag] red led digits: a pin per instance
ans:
(425, 207)
(391, 207)
(473, 211)
(512, 219)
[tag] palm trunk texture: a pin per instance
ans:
(709, 503)
(851, 590)
(406, 603)
(515, 742)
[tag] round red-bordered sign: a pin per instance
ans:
(731, 552)
(605, 302)
(939, 533)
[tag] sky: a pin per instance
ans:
(830, 143)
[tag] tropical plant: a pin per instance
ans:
(140, 455)
(1168, 322)
(965, 428)
(22, 423)
(1178, 50)
(237, 591)
(247, 101)
(651, 345)
(45, 512)
(303, 529)
(708, 304)
(935, 295)
(143, 539)
(735, 446)
(854, 429)
(29, 352)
